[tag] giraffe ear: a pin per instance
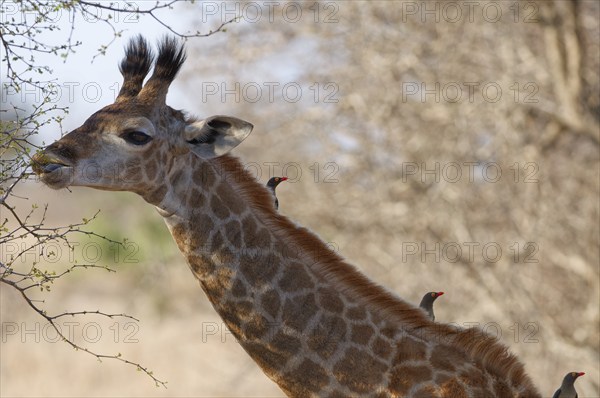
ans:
(216, 135)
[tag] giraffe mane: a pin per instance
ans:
(481, 347)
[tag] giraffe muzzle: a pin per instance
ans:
(54, 172)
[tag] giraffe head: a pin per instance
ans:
(132, 144)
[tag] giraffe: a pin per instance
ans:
(311, 321)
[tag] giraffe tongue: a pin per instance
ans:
(50, 167)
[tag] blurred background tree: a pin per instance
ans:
(428, 102)
(34, 253)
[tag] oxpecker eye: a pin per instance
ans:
(136, 137)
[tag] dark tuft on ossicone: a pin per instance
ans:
(135, 66)
(171, 56)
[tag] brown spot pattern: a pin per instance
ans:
(230, 313)
(179, 232)
(270, 302)
(244, 307)
(410, 349)
(204, 176)
(359, 371)
(199, 234)
(221, 280)
(309, 377)
(151, 169)
(286, 344)
(175, 177)
(204, 223)
(217, 242)
(298, 311)
(444, 357)
(382, 348)
(228, 195)
(361, 334)
(387, 330)
(501, 389)
(264, 357)
(233, 231)
(201, 266)
(256, 327)
(330, 301)
(262, 238)
(485, 393)
(181, 188)
(258, 269)
(133, 174)
(325, 338)
(162, 156)
(218, 208)
(356, 313)
(238, 289)
(295, 278)
(195, 199)
(404, 377)
(441, 378)
(426, 392)
(452, 388)
(249, 226)
(155, 196)
(225, 256)
(473, 378)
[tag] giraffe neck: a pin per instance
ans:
(259, 283)
(314, 324)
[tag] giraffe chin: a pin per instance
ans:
(59, 176)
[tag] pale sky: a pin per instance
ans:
(86, 86)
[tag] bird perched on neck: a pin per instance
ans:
(272, 184)
(427, 303)
(567, 388)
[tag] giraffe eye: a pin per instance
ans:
(136, 137)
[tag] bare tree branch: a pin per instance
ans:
(22, 38)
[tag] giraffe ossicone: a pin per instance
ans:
(313, 323)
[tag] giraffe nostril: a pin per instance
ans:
(61, 150)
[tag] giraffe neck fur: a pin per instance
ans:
(280, 292)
